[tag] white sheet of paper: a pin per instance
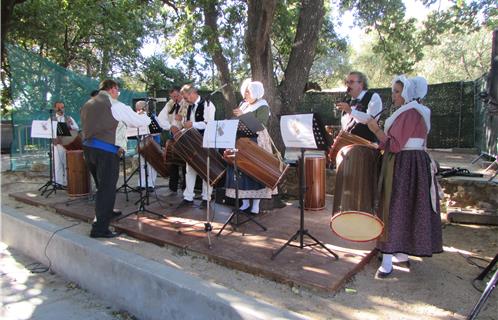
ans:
(42, 129)
(297, 131)
(220, 134)
(132, 132)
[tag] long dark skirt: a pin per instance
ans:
(413, 226)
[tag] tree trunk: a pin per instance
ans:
(260, 14)
(216, 52)
(285, 98)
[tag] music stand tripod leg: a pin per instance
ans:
(487, 291)
(144, 199)
(51, 186)
(236, 211)
(301, 232)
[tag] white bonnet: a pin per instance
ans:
(255, 88)
(413, 88)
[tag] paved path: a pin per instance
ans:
(45, 296)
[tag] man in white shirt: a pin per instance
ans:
(199, 113)
(363, 106)
(60, 166)
(100, 117)
(142, 107)
(172, 115)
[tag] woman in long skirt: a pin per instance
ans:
(410, 201)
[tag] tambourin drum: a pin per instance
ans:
(78, 176)
(188, 146)
(72, 142)
(170, 156)
(344, 139)
(258, 163)
(151, 151)
(356, 182)
(314, 168)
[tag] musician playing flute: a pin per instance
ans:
(250, 189)
(199, 112)
(60, 166)
(361, 107)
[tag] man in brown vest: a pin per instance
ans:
(100, 116)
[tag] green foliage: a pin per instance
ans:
(401, 43)
(458, 57)
(98, 38)
(156, 75)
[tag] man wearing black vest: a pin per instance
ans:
(362, 106)
(199, 112)
(100, 117)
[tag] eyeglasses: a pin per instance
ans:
(348, 82)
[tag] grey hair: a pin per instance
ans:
(361, 77)
(188, 88)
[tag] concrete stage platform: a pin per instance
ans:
(247, 247)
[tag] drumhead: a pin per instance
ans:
(356, 226)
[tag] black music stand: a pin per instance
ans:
(125, 186)
(296, 141)
(144, 198)
(62, 130)
(488, 290)
(248, 126)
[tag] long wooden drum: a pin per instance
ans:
(314, 168)
(344, 139)
(188, 146)
(170, 156)
(356, 181)
(78, 176)
(151, 151)
(258, 163)
(72, 142)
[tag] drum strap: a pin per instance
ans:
(276, 152)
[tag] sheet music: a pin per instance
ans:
(297, 131)
(220, 134)
(42, 129)
(133, 132)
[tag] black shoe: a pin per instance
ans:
(185, 203)
(116, 212)
(107, 234)
(203, 204)
(150, 189)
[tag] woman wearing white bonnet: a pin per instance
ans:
(410, 207)
(253, 92)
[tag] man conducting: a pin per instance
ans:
(100, 117)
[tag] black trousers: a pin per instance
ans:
(175, 176)
(104, 167)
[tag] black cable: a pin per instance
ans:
(38, 267)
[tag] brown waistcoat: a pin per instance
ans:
(97, 120)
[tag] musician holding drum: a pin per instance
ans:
(409, 201)
(253, 102)
(172, 115)
(199, 112)
(363, 105)
(60, 165)
(141, 107)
